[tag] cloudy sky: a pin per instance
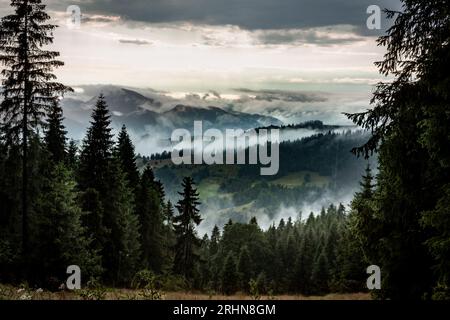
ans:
(231, 47)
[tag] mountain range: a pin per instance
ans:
(143, 114)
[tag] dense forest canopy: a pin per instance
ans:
(90, 205)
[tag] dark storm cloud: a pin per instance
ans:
(284, 95)
(309, 36)
(247, 14)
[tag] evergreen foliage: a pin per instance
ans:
(150, 210)
(188, 218)
(29, 88)
(92, 207)
(127, 156)
(407, 234)
(229, 275)
(55, 134)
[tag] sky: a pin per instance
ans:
(231, 47)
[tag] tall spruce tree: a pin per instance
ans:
(96, 151)
(29, 88)
(245, 268)
(55, 134)
(10, 227)
(350, 260)
(229, 276)
(184, 223)
(169, 237)
(121, 252)
(72, 155)
(150, 213)
(304, 264)
(203, 275)
(60, 239)
(320, 274)
(169, 213)
(363, 221)
(94, 170)
(214, 242)
(127, 157)
(109, 201)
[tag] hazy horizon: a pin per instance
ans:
(198, 46)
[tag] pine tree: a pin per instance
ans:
(304, 264)
(245, 268)
(125, 152)
(341, 210)
(364, 224)
(150, 213)
(72, 155)
(215, 258)
(94, 172)
(122, 250)
(320, 274)
(92, 205)
(367, 184)
(184, 224)
(289, 260)
(214, 242)
(169, 213)
(96, 151)
(55, 134)
(410, 132)
(169, 237)
(60, 238)
(272, 236)
(108, 199)
(350, 262)
(10, 226)
(331, 242)
(438, 244)
(281, 225)
(203, 273)
(229, 275)
(28, 86)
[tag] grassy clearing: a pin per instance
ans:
(209, 188)
(14, 293)
(300, 179)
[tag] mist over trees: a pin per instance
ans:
(89, 205)
(88, 213)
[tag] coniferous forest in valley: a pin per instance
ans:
(129, 222)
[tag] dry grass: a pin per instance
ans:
(200, 296)
(14, 293)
